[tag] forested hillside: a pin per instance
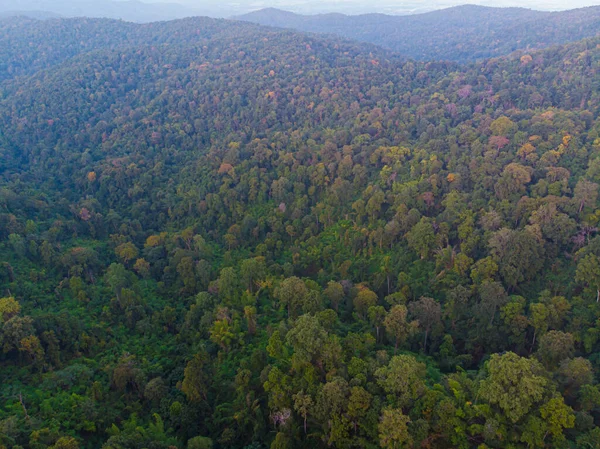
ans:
(28, 45)
(256, 238)
(462, 33)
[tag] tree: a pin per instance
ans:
(493, 297)
(307, 337)
(402, 379)
(281, 441)
(250, 314)
(539, 319)
(397, 326)
(66, 443)
(126, 252)
(421, 238)
(252, 270)
(118, 278)
(501, 126)
(586, 194)
(335, 293)
(514, 319)
(195, 380)
(303, 404)
(359, 405)
(291, 293)
(31, 346)
(142, 267)
(14, 331)
(228, 282)
(519, 255)
(588, 272)
(222, 333)
(393, 429)
(513, 180)
(556, 346)
(558, 416)
(365, 298)
(428, 313)
(574, 373)
(9, 307)
(514, 384)
(376, 316)
(199, 442)
(187, 273)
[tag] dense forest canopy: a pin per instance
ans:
(462, 33)
(219, 235)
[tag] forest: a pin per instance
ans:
(215, 234)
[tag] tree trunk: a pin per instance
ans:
(24, 408)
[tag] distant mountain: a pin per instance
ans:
(462, 33)
(130, 10)
(39, 15)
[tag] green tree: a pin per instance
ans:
(397, 326)
(307, 338)
(555, 346)
(514, 384)
(519, 255)
(588, 272)
(335, 293)
(291, 293)
(421, 238)
(365, 298)
(393, 429)
(402, 379)
(428, 313)
(303, 404)
(253, 270)
(199, 442)
(195, 380)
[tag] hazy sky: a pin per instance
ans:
(388, 6)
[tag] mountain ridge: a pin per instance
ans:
(462, 33)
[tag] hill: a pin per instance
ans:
(463, 33)
(130, 10)
(219, 235)
(28, 45)
(39, 15)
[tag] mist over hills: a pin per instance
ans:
(463, 33)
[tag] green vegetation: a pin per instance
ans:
(263, 239)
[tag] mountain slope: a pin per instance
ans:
(463, 33)
(28, 45)
(228, 236)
